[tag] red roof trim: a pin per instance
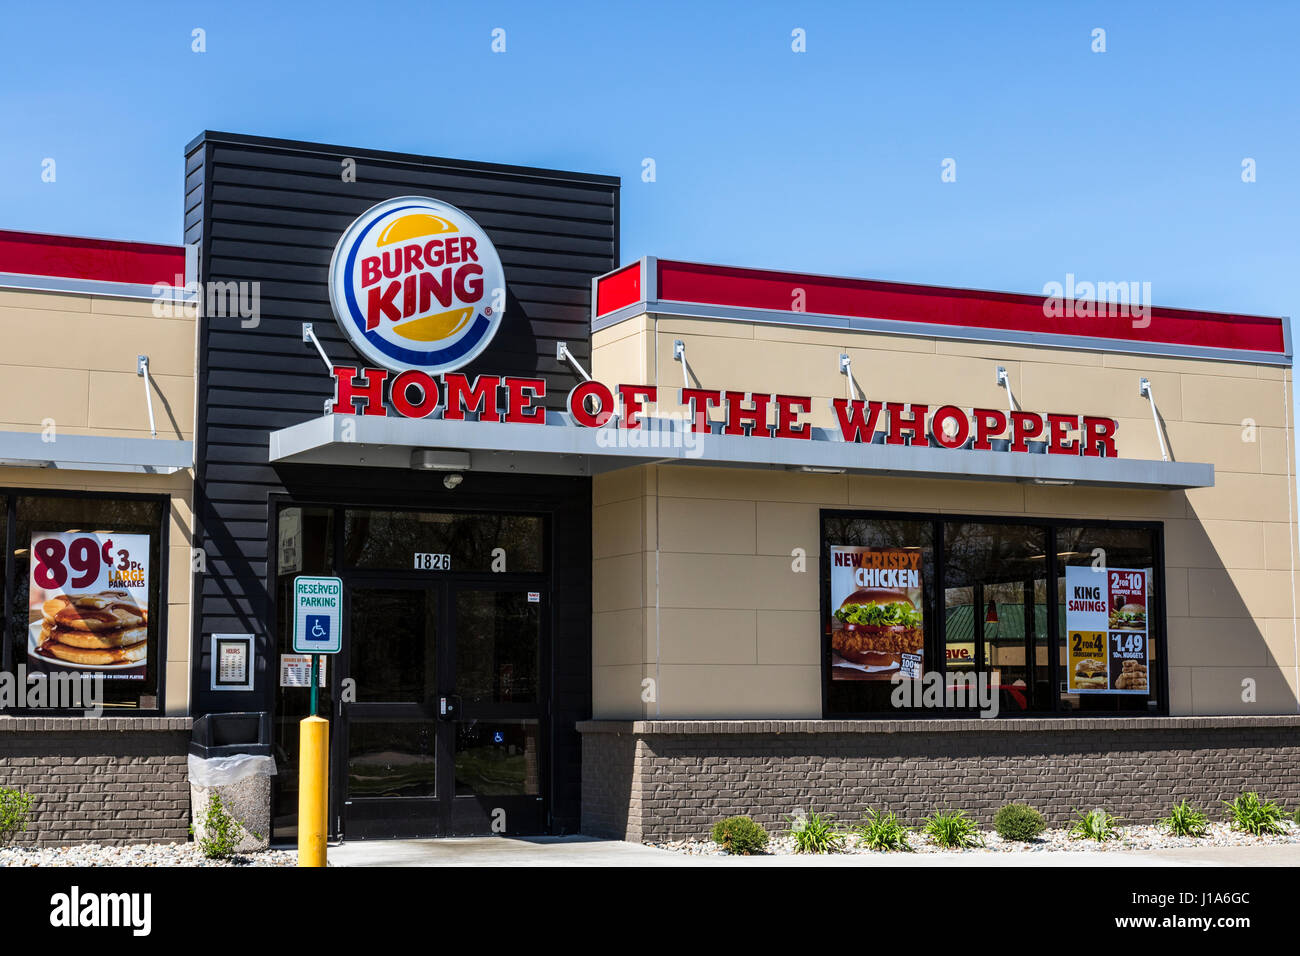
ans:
(618, 289)
(733, 287)
(101, 260)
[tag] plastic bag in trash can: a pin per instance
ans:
(224, 771)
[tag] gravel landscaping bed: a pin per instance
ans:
(137, 854)
(1130, 838)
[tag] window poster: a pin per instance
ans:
(876, 605)
(89, 603)
(295, 670)
(289, 542)
(1107, 640)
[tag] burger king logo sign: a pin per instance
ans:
(416, 284)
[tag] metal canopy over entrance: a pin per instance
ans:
(561, 448)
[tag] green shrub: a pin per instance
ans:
(883, 831)
(1097, 825)
(1185, 820)
(815, 833)
(953, 829)
(15, 808)
(1020, 822)
(1295, 818)
(221, 833)
(742, 835)
(1251, 813)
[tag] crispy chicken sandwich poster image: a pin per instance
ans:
(876, 622)
(1106, 630)
(88, 603)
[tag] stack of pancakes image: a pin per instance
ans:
(107, 628)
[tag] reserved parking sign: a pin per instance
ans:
(317, 615)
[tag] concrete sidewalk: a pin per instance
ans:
(586, 851)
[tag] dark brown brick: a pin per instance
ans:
(670, 780)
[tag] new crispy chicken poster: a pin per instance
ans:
(1106, 630)
(88, 604)
(876, 625)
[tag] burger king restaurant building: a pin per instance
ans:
(626, 548)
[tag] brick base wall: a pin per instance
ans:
(112, 780)
(669, 780)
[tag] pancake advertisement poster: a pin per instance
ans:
(876, 625)
(88, 603)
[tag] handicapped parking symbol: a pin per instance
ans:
(318, 627)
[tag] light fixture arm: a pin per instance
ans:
(562, 354)
(142, 369)
(846, 369)
(679, 355)
(1004, 380)
(1145, 390)
(310, 336)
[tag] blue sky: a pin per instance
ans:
(1123, 165)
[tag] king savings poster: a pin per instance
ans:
(876, 621)
(1107, 637)
(88, 603)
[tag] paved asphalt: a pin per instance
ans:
(585, 851)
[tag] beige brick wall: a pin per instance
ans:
(694, 589)
(69, 362)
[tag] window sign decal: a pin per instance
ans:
(1108, 648)
(88, 604)
(876, 623)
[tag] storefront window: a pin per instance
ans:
(880, 601)
(995, 585)
(498, 642)
(497, 758)
(86, 595)
(392, 759)
(440, 541)
(889, 650)
(1108, 660)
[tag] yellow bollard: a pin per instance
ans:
(313, 790)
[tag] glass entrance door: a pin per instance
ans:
(440, 706)
(497, 755)
(386, 749)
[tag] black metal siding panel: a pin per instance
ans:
(271, 211)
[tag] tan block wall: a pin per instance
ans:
(695, 592)
(71, 359)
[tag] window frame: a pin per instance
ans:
(1158, 635)
(341, 513)
(10, 496)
